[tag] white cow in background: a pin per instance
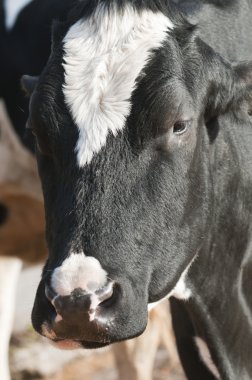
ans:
(22, 228)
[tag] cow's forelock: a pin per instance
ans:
(104, 56)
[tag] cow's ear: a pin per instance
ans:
(229, 86)
(230, 89)
(29, 83)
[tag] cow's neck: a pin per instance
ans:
(222, 318)
(220, 279)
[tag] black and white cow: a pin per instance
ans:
(144, 135)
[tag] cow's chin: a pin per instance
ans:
(70, 344)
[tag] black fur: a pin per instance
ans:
(24, 49)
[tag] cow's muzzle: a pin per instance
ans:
(89, 319)
(81, 315)
(81, 302)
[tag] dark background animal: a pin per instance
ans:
(25, 41)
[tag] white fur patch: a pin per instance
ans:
(180, 290)
(104, 55)
(78, 271)
(206, 356)
(12, 9)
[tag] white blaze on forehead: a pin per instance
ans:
(78, 271)
(12, 8)
(104, 55)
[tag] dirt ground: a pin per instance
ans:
(101, 367)
(32, 358)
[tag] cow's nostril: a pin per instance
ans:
(106, 292)
(50, 293)
(81, 301)
(3, 213)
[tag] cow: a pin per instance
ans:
(25, 34)
(22, 240)
(142, 121)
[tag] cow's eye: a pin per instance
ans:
(181, 126)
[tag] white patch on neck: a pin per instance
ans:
(104, 55)
(206, 356)
(78, 271)
(12, 9)
(180, 290)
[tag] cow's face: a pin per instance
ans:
(123, 151)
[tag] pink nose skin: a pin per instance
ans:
(79, 301)
(63, 344)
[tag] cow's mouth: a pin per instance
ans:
(94, 344)
(68, 344)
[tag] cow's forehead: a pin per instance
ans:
(103, 57)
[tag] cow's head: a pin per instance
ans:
(123, 149)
